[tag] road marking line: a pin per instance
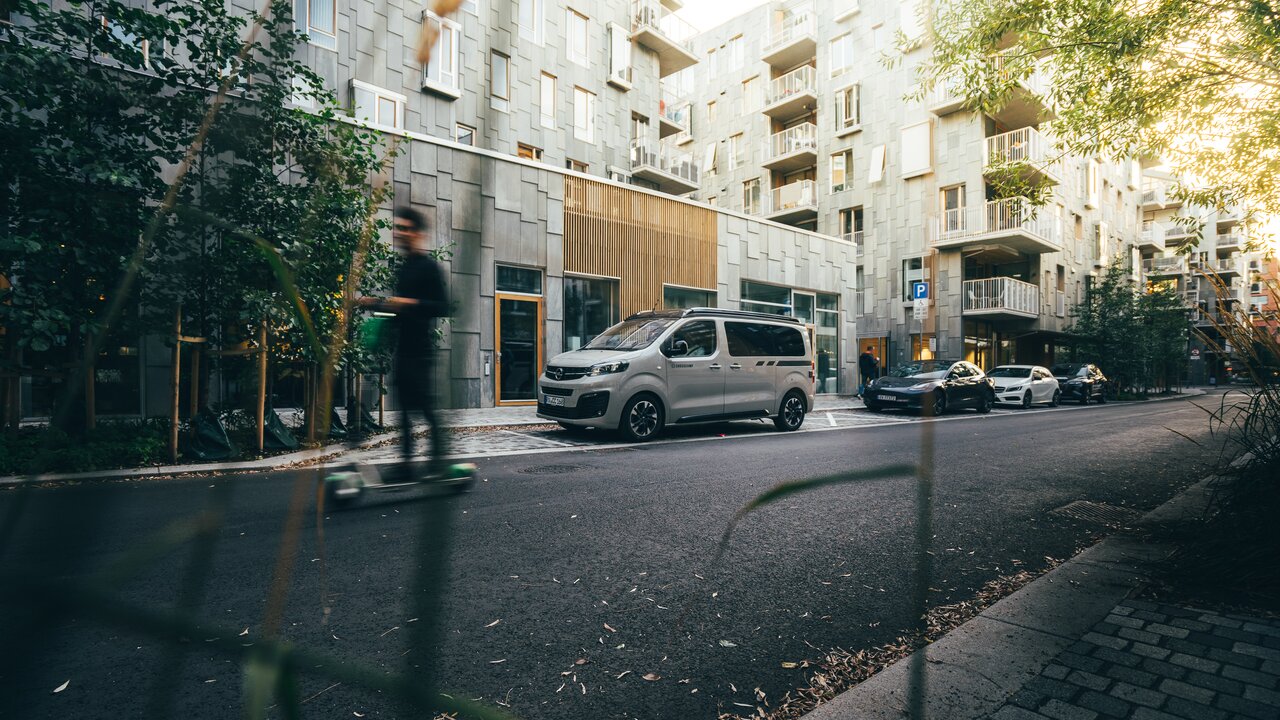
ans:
(831, 420)
(532, 437)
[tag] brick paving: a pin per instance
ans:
(1156, 661)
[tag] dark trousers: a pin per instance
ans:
(414, 375)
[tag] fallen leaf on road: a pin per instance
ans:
(580, 661)
(609, 628)
(651, 677)
(714, 594)
(357, 714)
(683, 682)
(62, 687)
(495, 622)
(584, 688)
(561, 687)
(495, 662)
(753, 707)
(245, 632)
(624, 672)
(397, 627)
(619, 646)
(790, 665)
(726, 643)
(733, 687)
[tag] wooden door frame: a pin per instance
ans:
(497, 345)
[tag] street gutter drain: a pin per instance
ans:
(552, 469)
(1100, 513)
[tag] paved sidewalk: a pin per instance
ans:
(1074, 645)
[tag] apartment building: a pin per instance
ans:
(797, 119)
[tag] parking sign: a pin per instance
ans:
(919, 291)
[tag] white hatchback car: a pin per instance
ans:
(1025, 385)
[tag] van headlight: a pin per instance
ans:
(608, 368)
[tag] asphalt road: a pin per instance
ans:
(595, 554)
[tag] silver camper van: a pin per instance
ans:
(672, 367)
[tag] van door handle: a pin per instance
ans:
(714, 367)
(735, 366)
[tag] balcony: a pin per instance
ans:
(1001, 297)
(791, 40)
(1157, 195)
(1164, 266)
(655, 27)
(1229, 242)
(1028, 104)
(1230, 218)
(673, 114)
(794, 202)
(945, 98)
(1013, 222)
(673, 171)
(792, 95)
(792, 149)
(1151, 238)
(1027, 149)
(856, 238)
(1228, 267)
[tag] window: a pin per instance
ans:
(576, 166)
(547, 101)
(499, 80)
(912, 271)
(953, 219)
(674, 298)
(711, 114)
(917, 149)
(584, 115)
(736, 156)
(748, 339)
(851, 227)
(913, 18)
(709, 160)
(532, 15)
(848, 110)
(751, 196)
(711, 63)
(619, 56)
(751, 99)
(528, 152)
(377, 106)
(441, 72)
(841, 53)
(590, 307)
(735, 54)
(875, 172)
(760, 297)
(318, 20)
(509, 278)
(699, 336)
(464, 134)
(841, 165)
(578, 38)
(1092, 187)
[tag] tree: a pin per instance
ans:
(1193, 82)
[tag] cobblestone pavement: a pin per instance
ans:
(1154, 661)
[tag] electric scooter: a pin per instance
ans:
(345, 487)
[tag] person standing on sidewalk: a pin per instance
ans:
(868, 369)
(420, 297)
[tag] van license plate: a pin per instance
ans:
(554, 400)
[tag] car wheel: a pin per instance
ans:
(641, 418)
(1057, 399)
(574, 429)
(874, 408)
(938, 407)
(1026, 400)
(985, 402)
(791, 414)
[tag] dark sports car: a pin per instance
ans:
(1082, 382)
(933, 386)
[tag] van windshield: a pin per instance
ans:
(630, 334)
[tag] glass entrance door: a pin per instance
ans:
(519, 343)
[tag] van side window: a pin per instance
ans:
(787, 341)
(748, 339)
(700, 335)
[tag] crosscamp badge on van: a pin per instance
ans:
(682, 366)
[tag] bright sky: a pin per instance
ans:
(706, 14)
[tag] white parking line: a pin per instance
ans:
(535, 437)
(831, 420)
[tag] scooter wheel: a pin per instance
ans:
(343, 488)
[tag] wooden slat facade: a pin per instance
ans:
(642, 240)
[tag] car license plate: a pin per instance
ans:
(888, 398)
(554, 400)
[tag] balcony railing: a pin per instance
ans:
(1165, 265)
(1230, 241)
(675, 110)
(1228, 265)
(1026, 146)
(652, 15)
(797, 82)
(647, 153)
(998, 217)
(1001, 295)
(788, 30)
(856, 237)
(795, 139)
(1037, 81)
(1153, 233)
(793, 196)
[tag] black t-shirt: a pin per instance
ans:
(867, 363)
(421, 279)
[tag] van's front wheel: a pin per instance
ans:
(641, 418)
(791, 414)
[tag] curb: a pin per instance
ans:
(973, 669)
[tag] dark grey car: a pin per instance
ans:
(933, 387)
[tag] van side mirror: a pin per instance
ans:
(679, 348)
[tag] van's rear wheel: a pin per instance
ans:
(641, 418)
(791, 414)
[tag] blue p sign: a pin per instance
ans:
(919, 291)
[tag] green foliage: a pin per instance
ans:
(1193, 82)
(1137, 336)
(109, 445)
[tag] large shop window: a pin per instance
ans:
(679, 298)
(517, 279)
(590, 307)
(759, 297)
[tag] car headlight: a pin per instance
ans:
(924, 385)
(1074, 382)
(608, 368)
(1011, 388)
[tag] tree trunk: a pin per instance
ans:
(262, 385)
(175, 386)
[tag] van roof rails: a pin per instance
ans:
(714, 312)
